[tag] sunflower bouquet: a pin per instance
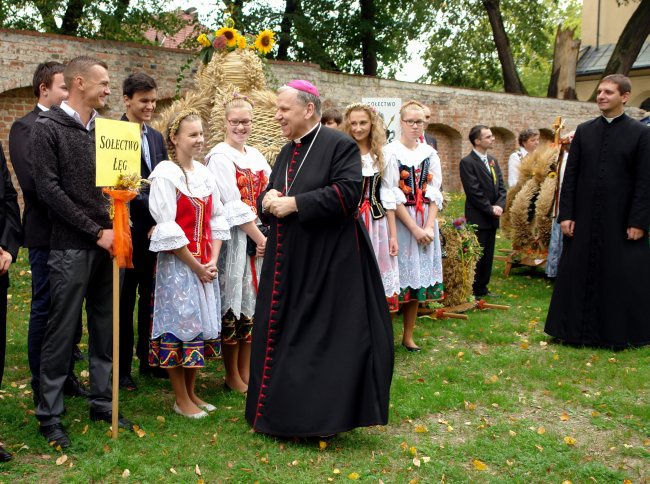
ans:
(228, 39)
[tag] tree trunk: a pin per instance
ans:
(629, 44)
(290, 9)
(368, 42)
(511, 81)
(562, 84)
(74, 12)
(45, 10)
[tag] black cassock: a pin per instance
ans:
(322, 354)
(603, 283)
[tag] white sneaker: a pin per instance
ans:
(207, 407)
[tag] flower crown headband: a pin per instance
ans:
(356, 106)
(185, 113)
(235, 96)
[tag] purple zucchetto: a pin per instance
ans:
(305, 86)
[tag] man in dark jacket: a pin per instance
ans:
(139, 92)
(80, 247)
(10, 234)
(485, 199)
(49, 89)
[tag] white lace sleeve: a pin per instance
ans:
(218, 223)
(388, 184)
(392, 166)
(235, 211)
(433, 192)
(167, 234)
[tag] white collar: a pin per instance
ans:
(299, 140)
(75, 115)
(481, 155)
(609, 120)
(42, 108)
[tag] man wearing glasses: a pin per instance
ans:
(485, 199)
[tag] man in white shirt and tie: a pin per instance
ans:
(485, 200)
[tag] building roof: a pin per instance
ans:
(593, 60)
(189, 18)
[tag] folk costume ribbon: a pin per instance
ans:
(419, 204)
(122, 243)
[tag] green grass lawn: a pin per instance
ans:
(490, 399)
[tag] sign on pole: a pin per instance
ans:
(117, 146)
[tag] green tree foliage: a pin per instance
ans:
(125, 20)
(460, 50)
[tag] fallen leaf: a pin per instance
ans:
(353, 476)
(62, 460)
(336, 471)
(460, 354)
(126, 473)
(264, 460)
(426, 459)
(450, 428)
(413, 450)
(594, 413)
(83, 432)
(567, 482)
(541, 431)
(564, 417)
(524, 345)
(138, 431)
(84, 374)
(404, 446)
(479, 465)
(160, 419)
(173, 471)
(569, 440)
(646, 442)
(539, 447)
(494, 379)
(421, 429)
(556, 356)
(322, 445)
(543, 343)
(510, 462)
(512, 433)
(470, 406)
(416, 462)
(197, 470)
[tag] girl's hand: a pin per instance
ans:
(393, 247)
(423, 237)
(206, 272)
(260, 249)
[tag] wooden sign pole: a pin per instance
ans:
(116, 348)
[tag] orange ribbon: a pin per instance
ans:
(419, 205)
(122, 244)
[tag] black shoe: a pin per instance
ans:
(4, 455)
(153, 372)
(412, 349)
(74, 388)
(107, 416)
(127, 383)
(77, 355)
(55, 435)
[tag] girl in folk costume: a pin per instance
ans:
(418, 200)
(377, 207)
(185, 203)
(242, 174)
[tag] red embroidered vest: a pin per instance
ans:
(250, 185)
(193, 216)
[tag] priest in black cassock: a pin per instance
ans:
(601, 290)
(322, 354)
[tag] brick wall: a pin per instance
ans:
(454, 110)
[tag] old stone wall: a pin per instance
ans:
(454, 110)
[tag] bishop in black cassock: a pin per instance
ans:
(322, 354)
(603, 279)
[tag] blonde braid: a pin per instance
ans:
(172, 129)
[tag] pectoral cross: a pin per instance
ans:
(558, 126)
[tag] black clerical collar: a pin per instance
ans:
(307, 137)
(611, 120)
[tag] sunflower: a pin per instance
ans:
(265, 41)
(241, 42)
(203, 40)
(230, 34)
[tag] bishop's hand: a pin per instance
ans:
(283, 206)
(271, 195)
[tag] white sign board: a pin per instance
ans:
(388, 108)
